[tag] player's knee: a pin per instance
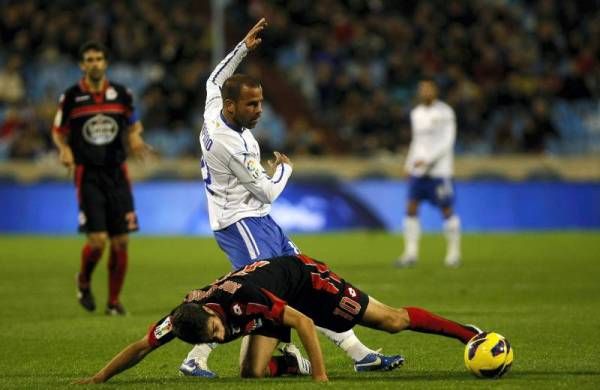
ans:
(412, 208)
(397, 321)
(97, 240)
(251, 371)
(119, 242)
(447, 212)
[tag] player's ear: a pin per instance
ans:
(208, 310)
(229, 106)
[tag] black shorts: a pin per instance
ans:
(340, 312)
(105, 200)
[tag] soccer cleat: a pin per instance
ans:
(85, 296)
(378, 362)
(115, 310)
(292, 354)
(473, 328)
(452, 261)
(405, 261)
(196, 367)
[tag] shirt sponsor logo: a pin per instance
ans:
(82, 98)
(100, 130)
(163, 329)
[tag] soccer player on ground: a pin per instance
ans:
(240, 193)
(265, 300)
(429, 164)
(95, 125)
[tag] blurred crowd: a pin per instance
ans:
(509, 68)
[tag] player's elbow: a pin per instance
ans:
(305, 323)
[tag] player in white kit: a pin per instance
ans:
(240, 192)
(430, 166)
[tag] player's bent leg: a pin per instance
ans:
(117, 268)
(383, 317)
(196, 362)
(90, 255)
(389, 319)
(256, 362)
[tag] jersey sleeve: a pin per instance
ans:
(261, 303)
(253, 177)
(222, 72)
(61, 118)
(161, 332)
(132, 114)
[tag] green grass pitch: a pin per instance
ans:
(541, 290)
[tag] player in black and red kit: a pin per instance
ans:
(266, 299)
(95, 127)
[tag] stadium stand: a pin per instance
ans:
(523, 76)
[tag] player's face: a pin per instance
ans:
(427, 92)
(93, 65)
(248, 108)
(216, 329)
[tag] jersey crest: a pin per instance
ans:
(100, 130)
(254, 168)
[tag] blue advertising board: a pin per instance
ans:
(173, 208)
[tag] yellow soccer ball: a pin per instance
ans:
(489, 355)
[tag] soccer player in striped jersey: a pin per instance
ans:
(240, 192)
(95, 127)
(430, 166)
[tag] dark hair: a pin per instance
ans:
(92, 45)
(232, 86)
(190, 322)
(428, 79)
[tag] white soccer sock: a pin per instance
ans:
(412, 233)
(348, 342)
(201, 351)
(452, 233)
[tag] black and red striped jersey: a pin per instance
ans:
(96, 123)
(255, 296)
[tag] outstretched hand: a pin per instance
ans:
(85, 381)
(251, 40)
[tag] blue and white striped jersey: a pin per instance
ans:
(237, 185)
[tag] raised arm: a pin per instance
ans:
(128, 357)
(308, 335)
(229, 64)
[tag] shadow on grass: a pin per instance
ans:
(374, 377)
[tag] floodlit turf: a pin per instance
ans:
(540, 290)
